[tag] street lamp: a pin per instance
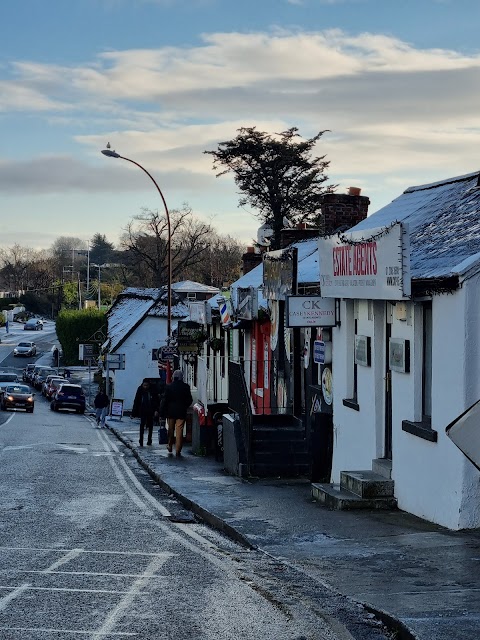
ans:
(113, 154)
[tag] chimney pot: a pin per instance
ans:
(354, 191)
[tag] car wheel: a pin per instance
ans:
(51, 406)
(29, 410)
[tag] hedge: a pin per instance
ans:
(75, 327)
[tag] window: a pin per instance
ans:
(351, 313)
(427, 363)
(423, 429)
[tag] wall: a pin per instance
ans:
(433, 480)
(150, 334)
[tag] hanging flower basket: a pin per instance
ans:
(216, 344)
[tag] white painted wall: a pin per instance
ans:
(432, 480)
(150, 334)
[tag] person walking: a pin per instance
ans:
(145, 407)
(101, 403)
(176, 401)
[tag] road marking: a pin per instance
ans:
(8, 420)
(83, 573)
(4, 602)
(126, 602)
(74, 553)
(85, 551)
(153, 502)
(90, 634)
(65, 589)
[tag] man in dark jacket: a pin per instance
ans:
(145, 407)
(176, 401)
(101, 403)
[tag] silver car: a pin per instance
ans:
(27, 349)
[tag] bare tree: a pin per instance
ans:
(146, 242)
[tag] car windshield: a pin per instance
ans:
(8, 377)
(18, 388)
(24, 344)
(71, 390)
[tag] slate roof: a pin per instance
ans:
(444, 225)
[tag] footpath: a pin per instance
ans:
(421, 579)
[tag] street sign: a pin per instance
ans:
(86, 351)
(115, 361)
(319, 352)
(167, 354)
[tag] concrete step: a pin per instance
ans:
(366, 484)
(383, 467)
(334, 497)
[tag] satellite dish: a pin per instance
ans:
(264, 233)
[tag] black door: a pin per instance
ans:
(388, 394)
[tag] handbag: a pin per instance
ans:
(162, 435)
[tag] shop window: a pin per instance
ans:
(352, 367)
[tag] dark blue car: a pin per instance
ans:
(68, 396)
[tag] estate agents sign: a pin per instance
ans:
(371, 263)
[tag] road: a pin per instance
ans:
(90, 547)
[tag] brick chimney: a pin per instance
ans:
(342, 211)
(250, 260)
(295, 234)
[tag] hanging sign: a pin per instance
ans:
(280, 273)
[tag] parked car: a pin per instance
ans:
(34, 324)
(36, 370)
(68, 396)
(41, 376)
(7, 378)
(53, 387)
(28, 371)
(17, 396)
(47, 381)
(28, 349)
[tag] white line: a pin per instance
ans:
(91, 634)
(145, 494)
(78, 573)
(4, 602)
(86, 551)
(66, 590)
(126, 602)
(7, 420)
(74, 553)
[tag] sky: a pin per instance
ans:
(394, 82)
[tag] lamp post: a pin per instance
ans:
(113, 154)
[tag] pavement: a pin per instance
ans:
(422, 580)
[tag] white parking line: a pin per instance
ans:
(90, 634)
(74, 553)
(11, 596)
(7, 420)
(126, 602)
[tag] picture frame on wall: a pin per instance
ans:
(399, 355)
(363, 351)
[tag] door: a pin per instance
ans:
(388, 386)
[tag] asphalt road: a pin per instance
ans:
(91, 548)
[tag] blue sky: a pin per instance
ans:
(395, 81)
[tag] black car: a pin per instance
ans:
(17, 396)
(68, 396)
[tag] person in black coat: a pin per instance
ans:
(176, 401)
(145, 407)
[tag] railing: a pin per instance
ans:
(212, 379)
(239, 402)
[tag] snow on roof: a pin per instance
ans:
(160, 310)
(189, 286)
(444, 225)
(124, 315)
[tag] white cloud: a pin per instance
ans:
(391, 107)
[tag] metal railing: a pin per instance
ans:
(239, 403)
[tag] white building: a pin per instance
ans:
(406, 356)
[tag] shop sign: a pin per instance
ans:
(197, 312)
(247, 303)
(225, 308)
(189, 336)
(280, 273)
(310, 311)
(369, 264)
